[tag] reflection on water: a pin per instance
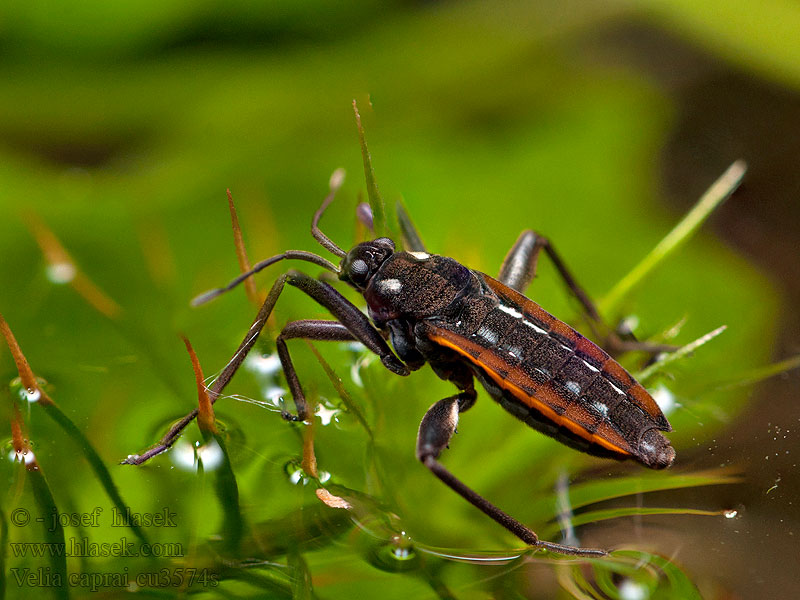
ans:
(188, 456)
(297, 476)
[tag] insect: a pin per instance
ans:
(467, 326)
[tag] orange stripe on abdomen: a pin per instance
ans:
(516, 380)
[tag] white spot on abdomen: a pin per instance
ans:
(510, 311)
(590, 366)
(488, 334)
(536, 328)
(601, 408)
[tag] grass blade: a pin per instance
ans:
(376, 202)
(344, 395)
(591, 492)
(225, 486)
(94, 460)
(719, 191)
(671, 357)
(410, 236)
(300, 577)
(32, 387)
(241, 253)
(62, 269)
(3, 546)
(54, 533)
(594, 516)
(227, 491)
(758, 374)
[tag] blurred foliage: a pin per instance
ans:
(121, 126)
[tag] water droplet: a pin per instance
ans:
(394, 555)
(264, 365)
(355, 374)
(327, 413)
(275, 395)
(296, 474)
(360, 361)
(26, 457)
(356, 347)
(632, 590)
(628, 324)
(23, 393)
(61, 273)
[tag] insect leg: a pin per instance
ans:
(519, 268)
(350, 316)
(307, 329)
(345, 311)
(519, 265)
(435, 431)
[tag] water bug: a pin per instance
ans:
(467, 326)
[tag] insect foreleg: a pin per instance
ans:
(224, 377)
(345, 311)
(350, 316)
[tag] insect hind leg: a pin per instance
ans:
(519, 269)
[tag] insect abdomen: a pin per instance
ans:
(561, 379)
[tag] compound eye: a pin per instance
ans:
(358, 271)
(385, 242)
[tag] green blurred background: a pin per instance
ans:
(599, 124)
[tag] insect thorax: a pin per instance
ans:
(415, 285)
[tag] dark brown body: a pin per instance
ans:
(537, 367)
